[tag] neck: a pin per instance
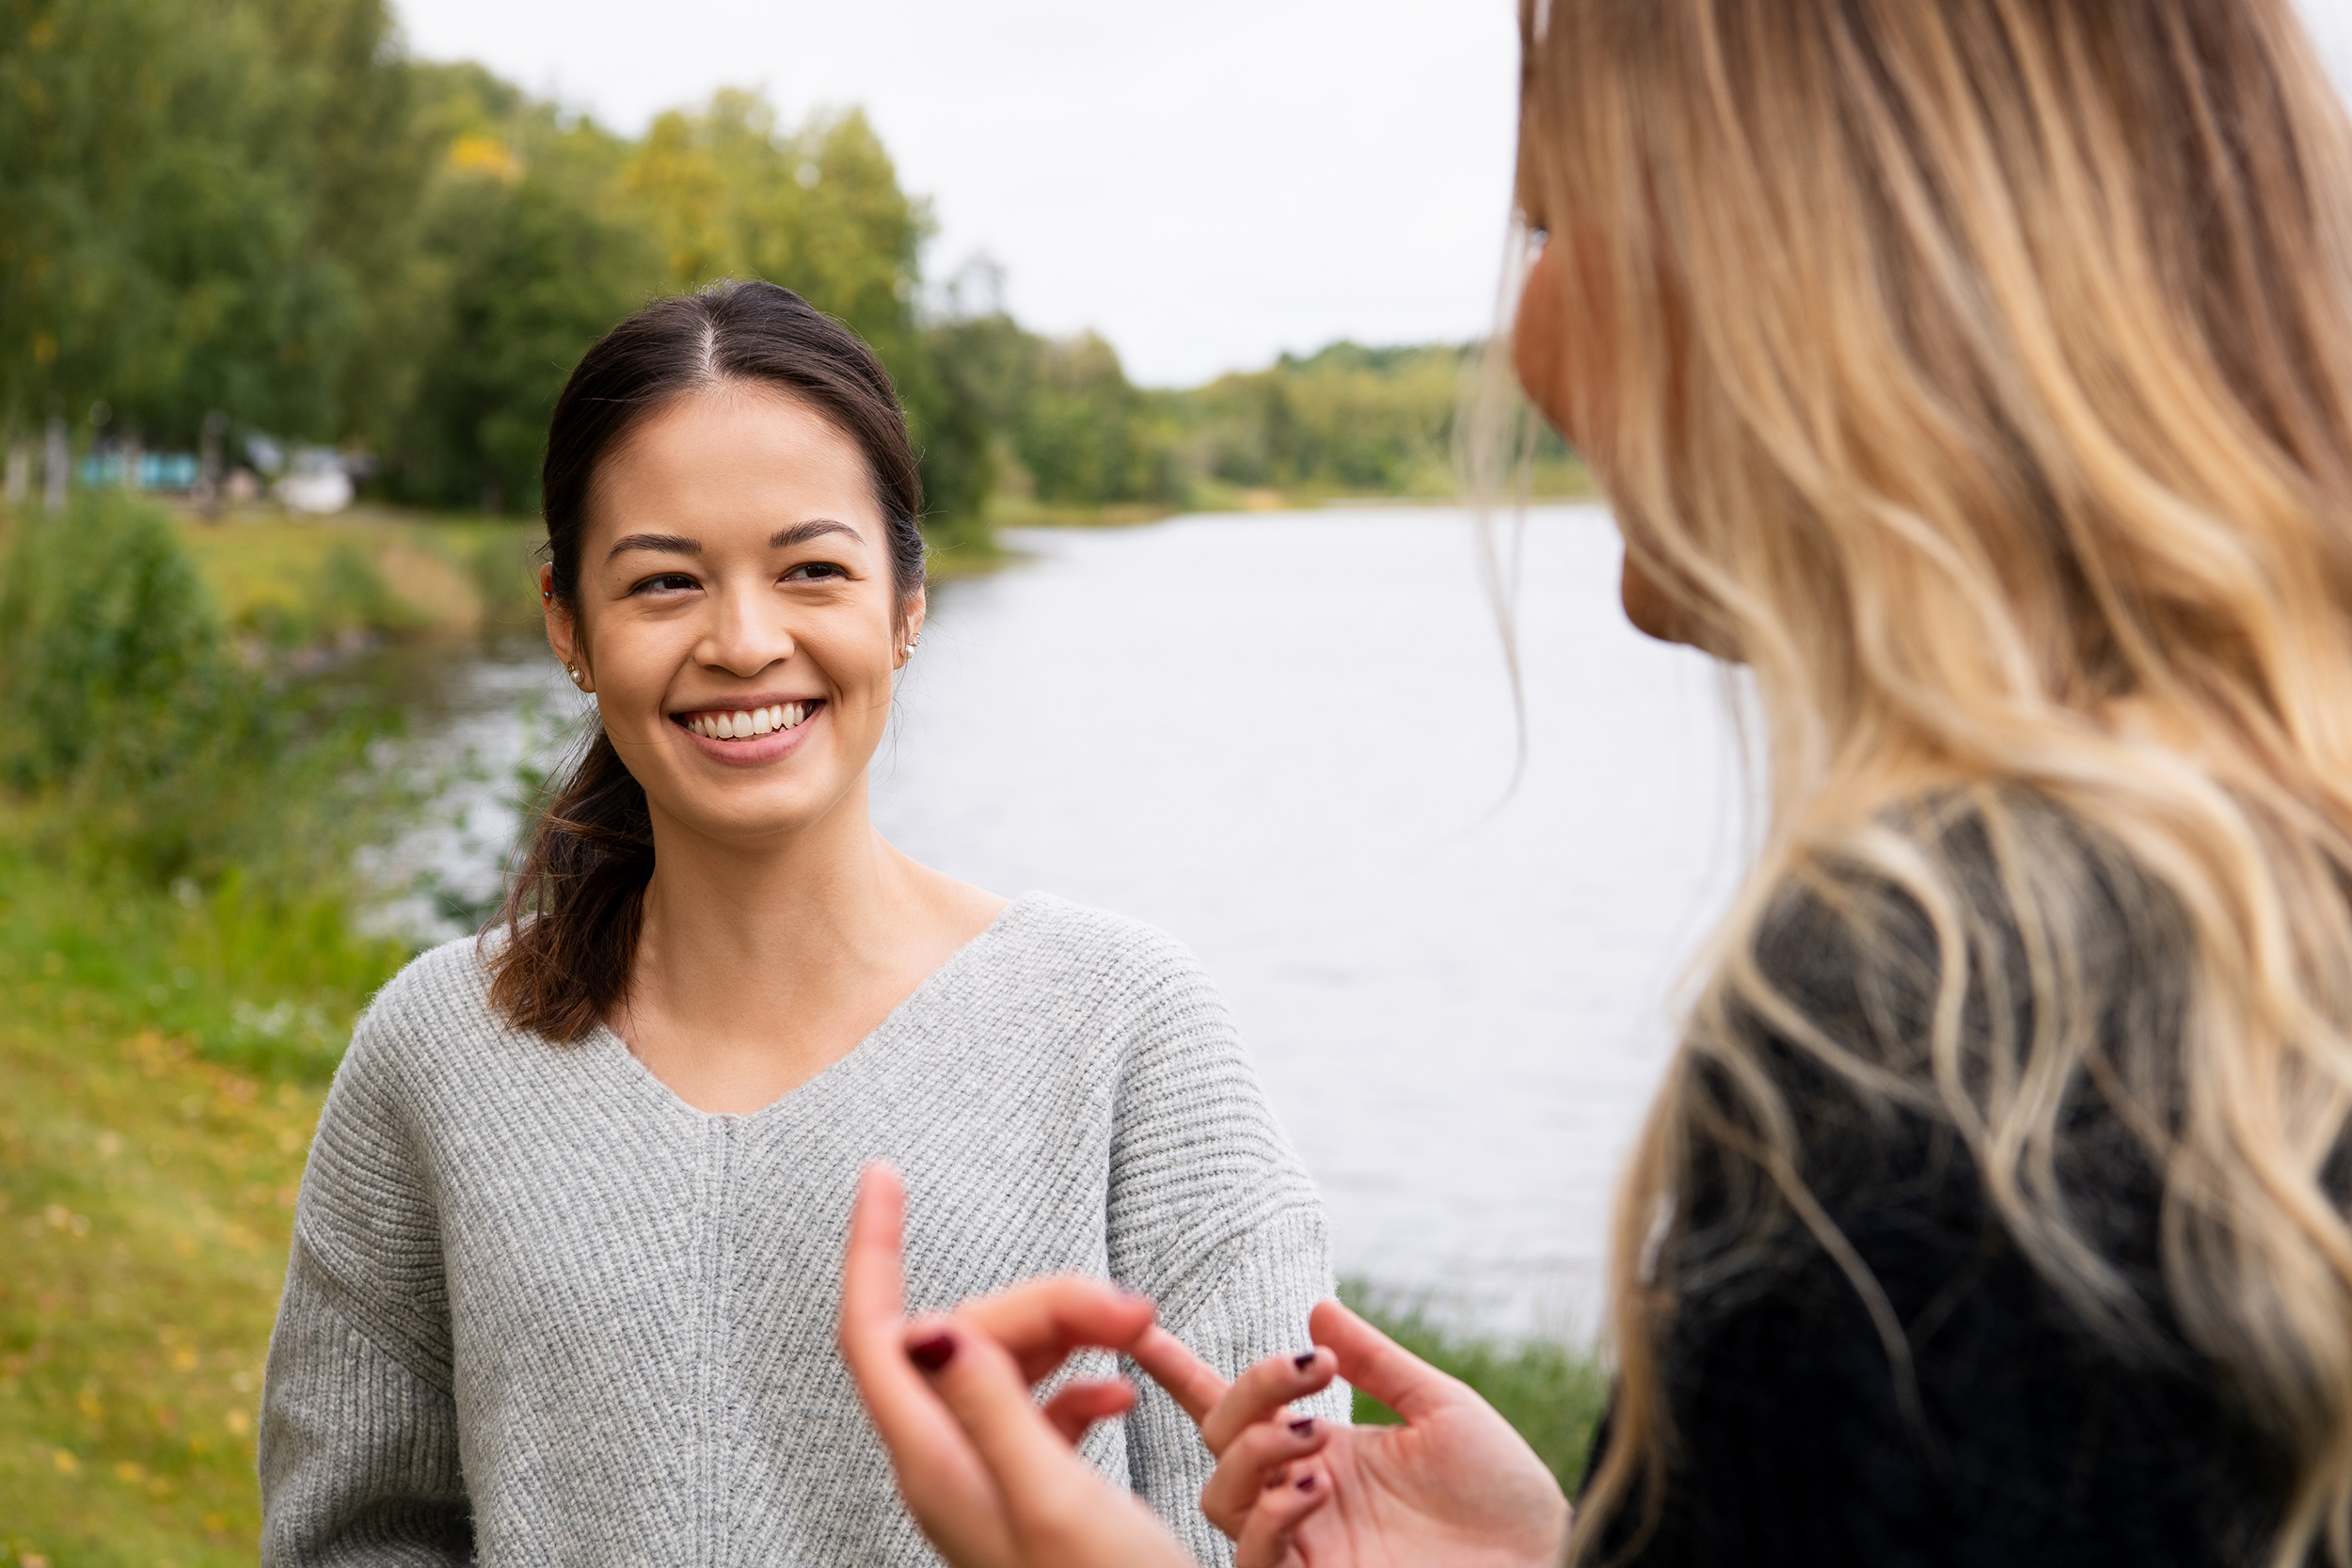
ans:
(761, 963)
(778, 913)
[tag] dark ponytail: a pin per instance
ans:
(573, 913)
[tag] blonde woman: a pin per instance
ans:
(1980, 373)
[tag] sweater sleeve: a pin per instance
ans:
(1213, 1216)
(359, 1440)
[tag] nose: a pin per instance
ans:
(745, 631)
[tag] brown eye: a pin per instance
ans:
(814, 571)
(668, 582)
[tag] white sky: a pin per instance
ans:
(1205, 184)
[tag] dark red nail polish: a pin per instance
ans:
(1303, 1427)
(932, 1354)
(1303, 1360)
(1274, 1481)
(1305, 1482)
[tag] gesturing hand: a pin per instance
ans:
(1455, 1485)
(992, 1477)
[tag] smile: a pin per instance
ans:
(744, 723)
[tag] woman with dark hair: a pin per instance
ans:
(565, 1259)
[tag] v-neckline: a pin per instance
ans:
(605, 1043)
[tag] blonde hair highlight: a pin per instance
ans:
(1980, 373)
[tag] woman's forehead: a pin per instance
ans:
(735, 472)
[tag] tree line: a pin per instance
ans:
(266, 213)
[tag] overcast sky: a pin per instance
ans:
(1205, 184)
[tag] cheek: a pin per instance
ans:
(857, 653)
(634, 662)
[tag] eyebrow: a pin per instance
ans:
(677, 543)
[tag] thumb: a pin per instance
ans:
(1379, 1365)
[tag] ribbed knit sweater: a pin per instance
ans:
(541, 1310)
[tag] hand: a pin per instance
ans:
(990, 1477)
(1455, 1485)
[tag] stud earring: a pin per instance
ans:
(572, 671)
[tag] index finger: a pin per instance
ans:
(1042, 1320)
(1191, 1381)
(873, 1283)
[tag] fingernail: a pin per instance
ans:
(1304, 1359)
(1303, 1426)
(932, 1354)
(1305, 1482)
(1273, 1481)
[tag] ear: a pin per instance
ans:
(562, 631)
(918, 604)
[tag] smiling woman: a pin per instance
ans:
(565, 1262)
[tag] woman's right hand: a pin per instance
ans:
(1455, 1485)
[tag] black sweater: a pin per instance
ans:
(2036, 1440)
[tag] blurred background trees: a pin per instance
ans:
(266, 208)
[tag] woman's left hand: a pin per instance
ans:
(990, 1476)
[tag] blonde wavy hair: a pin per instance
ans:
(1980, 373)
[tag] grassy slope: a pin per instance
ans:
(290, 584)
(145, 1199)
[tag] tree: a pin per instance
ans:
(193, 204)
(536, 257)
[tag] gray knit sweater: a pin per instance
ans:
(541, 1310)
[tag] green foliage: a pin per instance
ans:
(194, 206)
(264, 208)
(140, 753)
(1073, 431)
(535, 261)
(1553, 1396)
(1351, 419)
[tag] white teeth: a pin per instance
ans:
(740, 725)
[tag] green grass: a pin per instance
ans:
(161, 1068)
(1551, 1394)
(285, 584)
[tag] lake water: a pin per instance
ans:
(1290, 740)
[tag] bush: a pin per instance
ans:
(124, 711)
(177, 823)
